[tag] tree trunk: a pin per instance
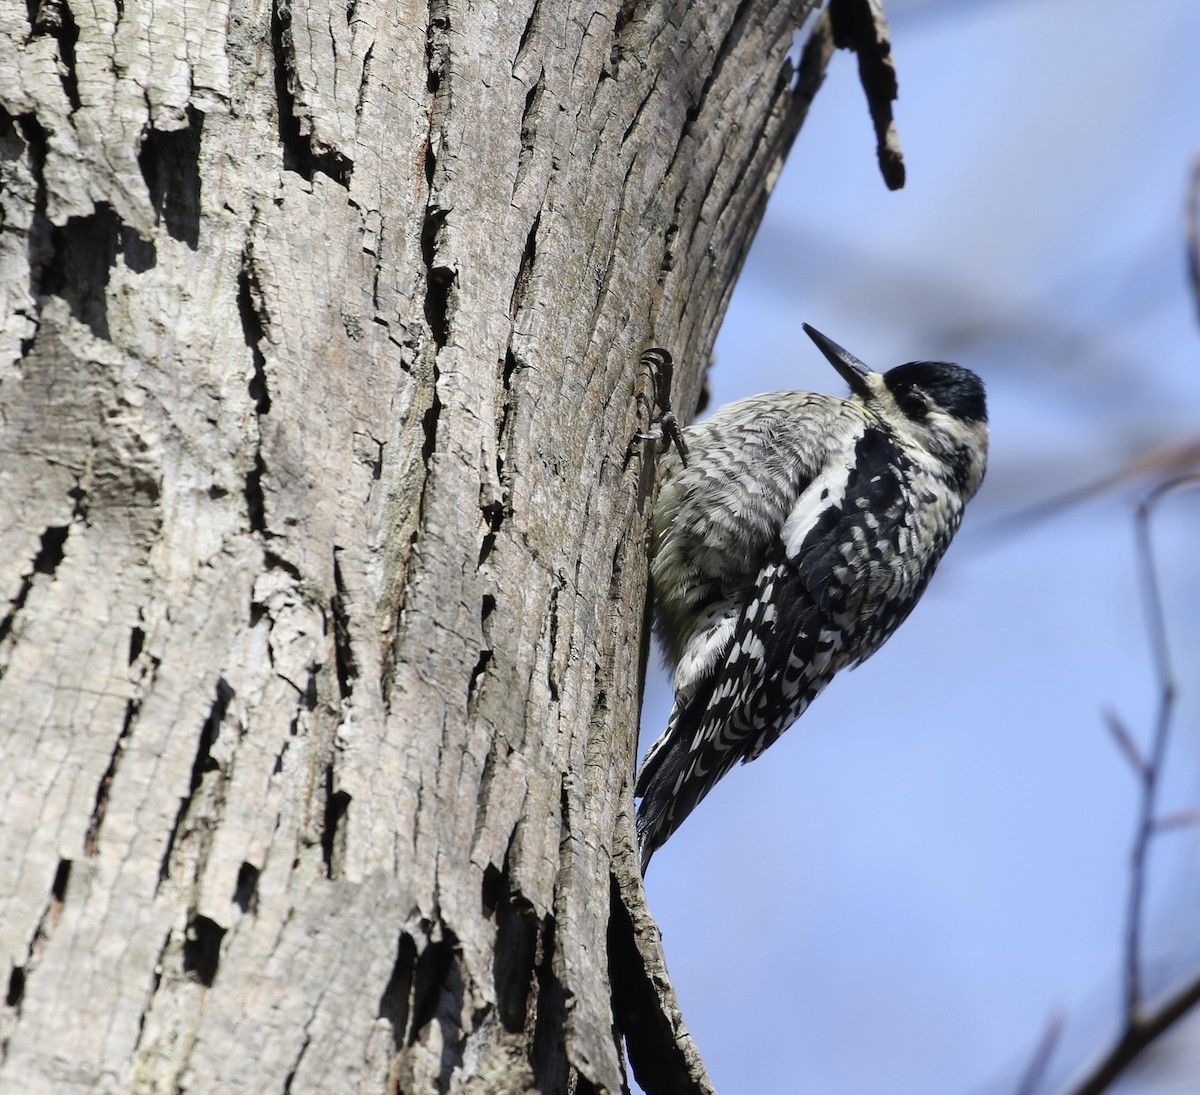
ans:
(322, 525)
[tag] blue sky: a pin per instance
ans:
(934, 860)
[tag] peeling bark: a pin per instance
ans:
(322, 569)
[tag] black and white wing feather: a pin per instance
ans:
(807, 615)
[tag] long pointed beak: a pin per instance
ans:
(853, 371)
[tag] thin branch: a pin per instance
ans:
(1142, 1028)
(1032, 1079)
(1126, 744)
(1152, 767)
(1135, 1039)
(1178, 819)
(1160, 653)
(1193, 232)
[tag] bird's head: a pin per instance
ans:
(939, 406)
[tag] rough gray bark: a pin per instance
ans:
(322, 535)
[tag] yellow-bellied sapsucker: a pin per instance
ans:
(796, 538)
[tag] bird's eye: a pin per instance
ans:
(914, 405)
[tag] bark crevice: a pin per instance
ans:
(21, 972)
(132, 707)
(333, 826)
(50, 554)
(54, 18)
(202, 949)
(169, 161)
(203, 763)
(301, 152)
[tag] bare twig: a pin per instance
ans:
(1126, 744)
(1135, 1039)
(1193, 232)
(1142, 1027)
(1160, 653)
(1178, 819)
(1032, 1079)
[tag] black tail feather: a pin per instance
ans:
(667, 796)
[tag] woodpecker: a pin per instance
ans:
(796, 537)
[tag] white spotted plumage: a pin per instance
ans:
(799, 534)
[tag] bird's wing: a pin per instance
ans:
(813, 609)
(801, 623)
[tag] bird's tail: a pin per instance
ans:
(656, 782)
(669, 782)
